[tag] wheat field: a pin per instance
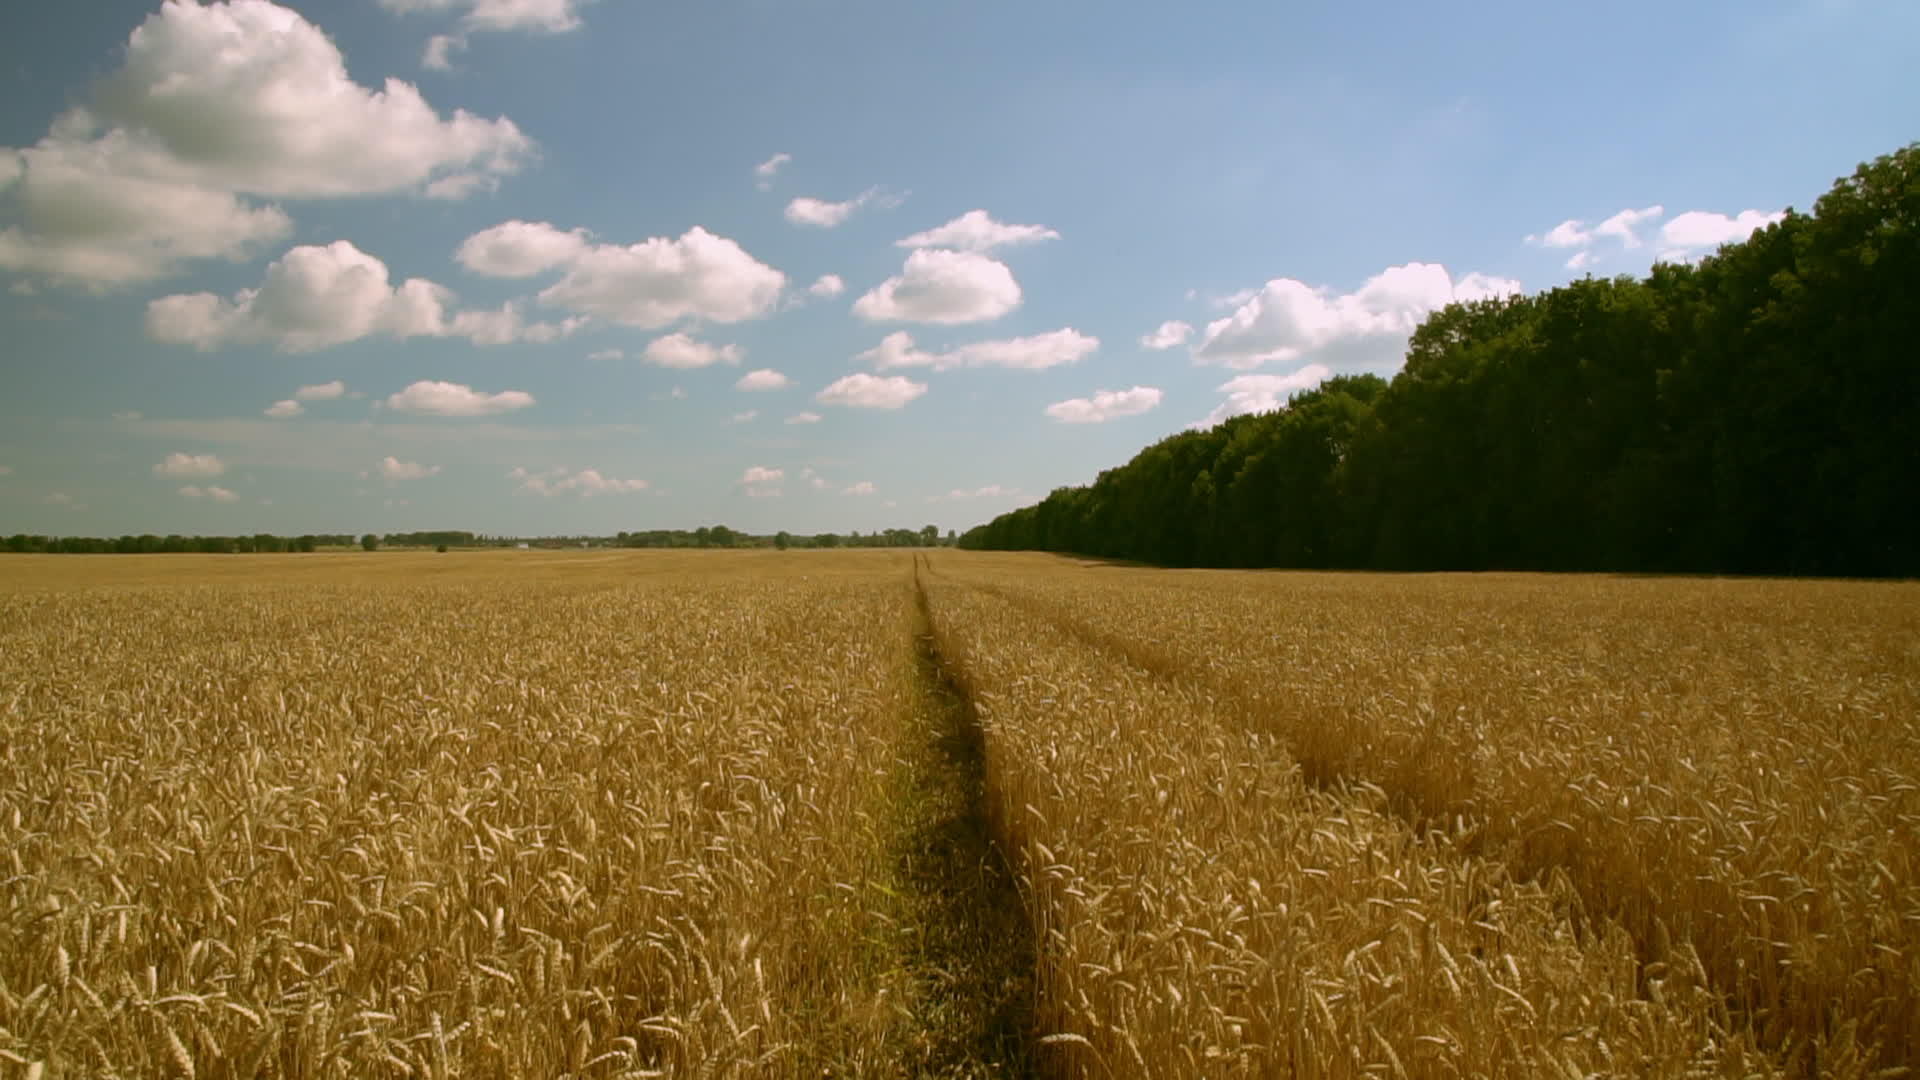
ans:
(887, 813)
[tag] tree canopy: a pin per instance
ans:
(1756, 413)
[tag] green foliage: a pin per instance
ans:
(1754, 414)
(370, 542)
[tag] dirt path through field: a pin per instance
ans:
(970, 947)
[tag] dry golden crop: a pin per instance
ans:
(608, 814)
(607, 821)
(1204, 912)
(1732, 767)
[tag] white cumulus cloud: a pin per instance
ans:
(661, 281)
(586, 483)
(548, 16)
(281, 410)
(217, 494)
(765, 171)
(510, 324)
(431, 398)
(1570, 233)
(763, 379)
(863, 391)
(214, 106)
(1169, 334)
(682, 351)
(394, 469)
(326, 391)
(313, 297)
(760, 481)
(517, 249)
(1263, 393)
(1623, 226)
(182, 464)
(1288, 319)
(1105, 405)
(1573, 234)
(804, 418)
(943, 287)
(827, 285)
(976, 230)
(821, 214)
(1702, 230)
(864, 487)
(544, 16)
(1035, 353)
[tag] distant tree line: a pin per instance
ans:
(715, 536)
(1756, 413)
(150, 544)
(721, 536)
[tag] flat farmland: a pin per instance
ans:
(911, 813)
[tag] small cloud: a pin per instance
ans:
(217, 494)
(1034, 353)
(763, 379)
(1105, 405)
(864, 487)
(61, 498)
(1701, 231)
(804, 418)
(1170, 334)
(1621, 226)
(761, 482)
(326, 391)
(434, 57)
(821, 214)
(675, 394)
(127, 416)
(991, 491)
(432, 398)
(608, 354)
(1262, 393)
(976, 230)
(814, 480)
(281, 410)
(586, 483)
(178, 464)
(863, 391)
(768, 169)
(678, 350)
(945, 287)
(827, 285)
(394, 469)
(746, 417)
(1571, 233)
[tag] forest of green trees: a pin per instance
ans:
(1756, 413)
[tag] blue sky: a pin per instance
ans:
(552, 266)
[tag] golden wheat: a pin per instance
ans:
(1732, 767)
(482, 827)
(648, 813)
(1205, 912)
